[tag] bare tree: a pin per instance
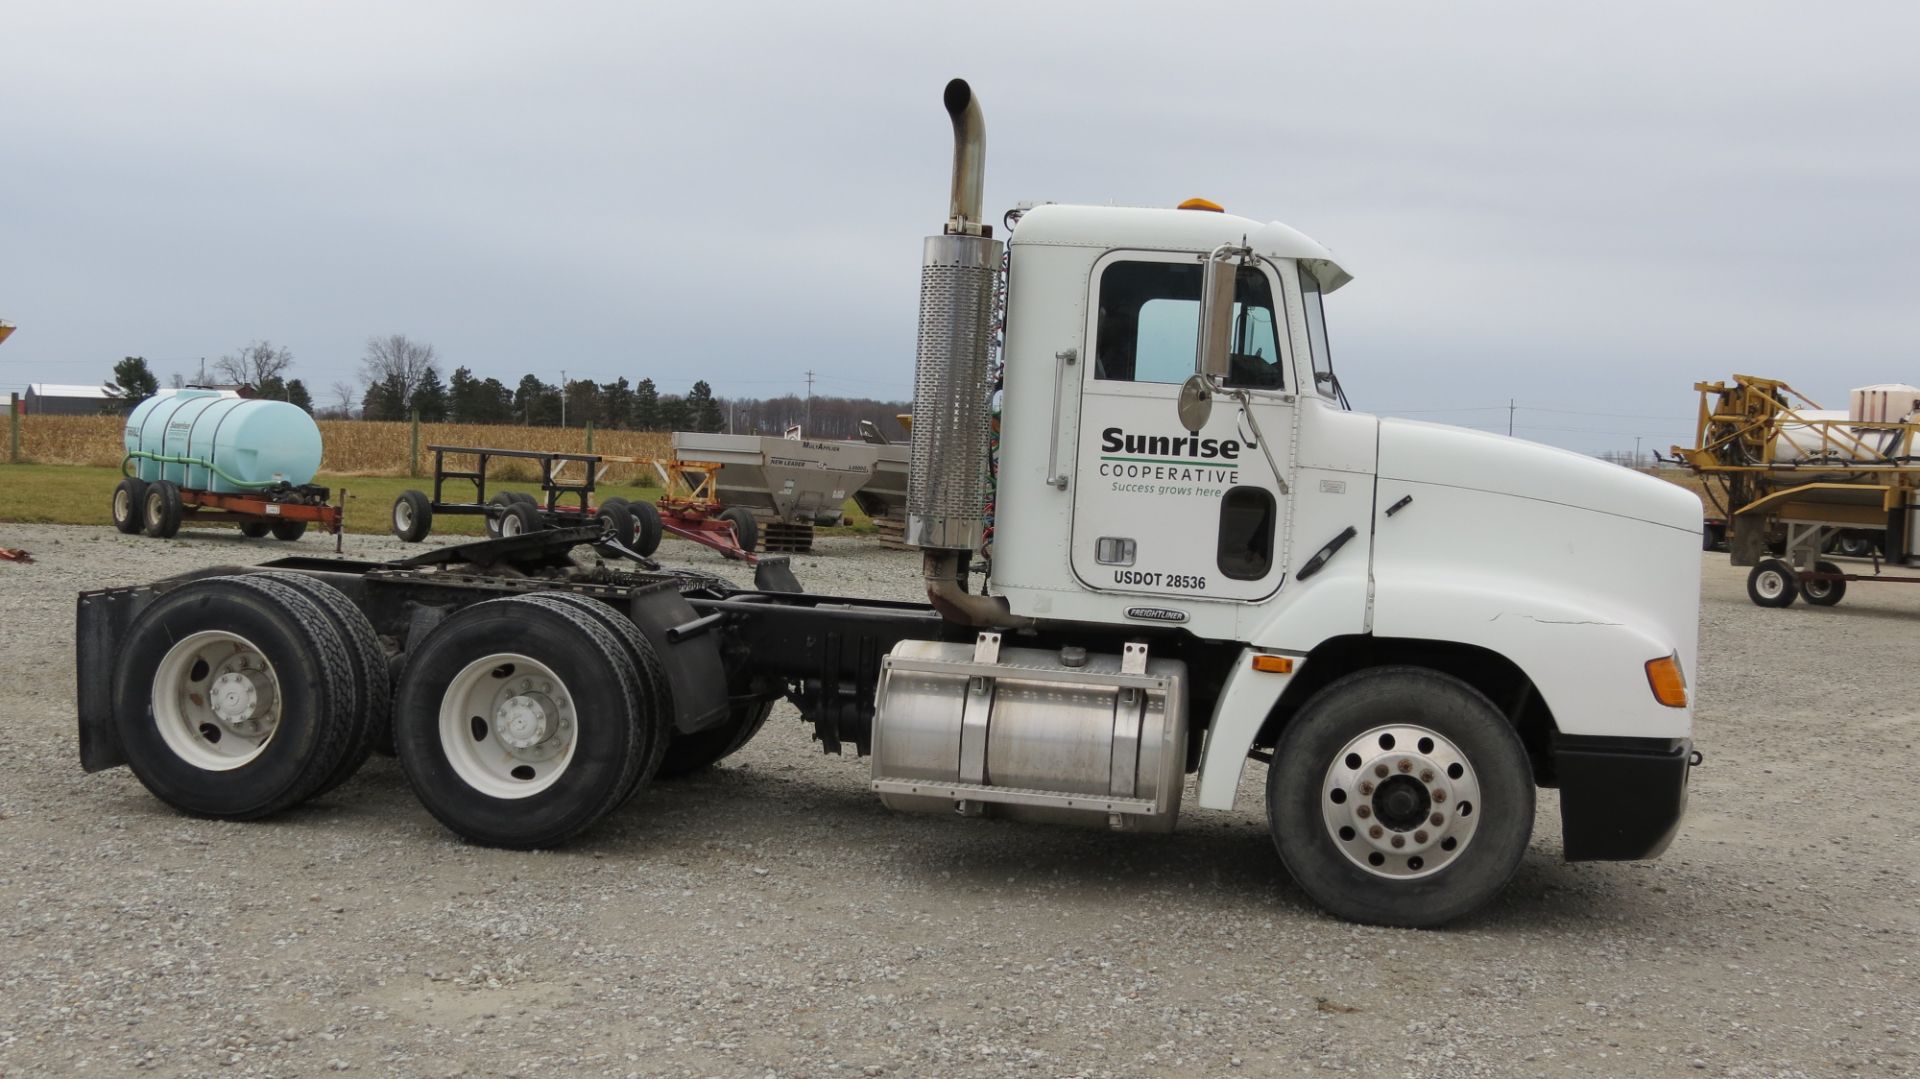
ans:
(395, 356)
(254, 364)
(345, 396)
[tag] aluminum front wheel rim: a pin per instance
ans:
(507, 725)
(216, 700)
(1368, 794)
(1770, 583)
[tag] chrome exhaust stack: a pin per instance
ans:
(952, 386)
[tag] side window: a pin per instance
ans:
(1316, 333)
(1246, 533)
(1149, 325)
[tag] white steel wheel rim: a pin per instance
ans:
(216, 700)
(510, 524)
(403, 516)
(122, 505)
(1401, 801)
(1770, 583)
(508, 726)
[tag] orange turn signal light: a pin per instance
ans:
(1273, 664)
(1668, 681)
(1203, 204)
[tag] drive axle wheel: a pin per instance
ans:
(1400, 796)
(235, 698)
(515, 723)
(1772, 583)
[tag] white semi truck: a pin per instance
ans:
(1199, 558)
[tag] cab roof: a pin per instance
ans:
(1158, 229)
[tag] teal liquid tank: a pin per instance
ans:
(205, 441)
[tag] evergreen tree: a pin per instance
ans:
(493, 403)
(703, 412)
(132, 383)
(583, 402)
(297, 395)
(463, 396)
(645, 413)
(536, 403)
(429, 397)
(385, 400)
(616, 403)
(674, 414)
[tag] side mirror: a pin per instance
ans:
(1219, 274)
(1195, 406)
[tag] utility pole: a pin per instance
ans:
(563, 397)
(1509, 417)
(809, 420)
(1636, 451)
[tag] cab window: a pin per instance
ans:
(1148, 326)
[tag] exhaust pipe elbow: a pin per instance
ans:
(942, 570)
(969, 159)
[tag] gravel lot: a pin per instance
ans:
(770, 918)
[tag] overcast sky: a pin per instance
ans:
(1579, 209)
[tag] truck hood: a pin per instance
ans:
(1495, 464)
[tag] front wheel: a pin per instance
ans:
(1772, 583)
(745, 528)
(288, 531)
(128, 498)
(412, 516)
(160, 510)
(519, 519)
(1400, 796)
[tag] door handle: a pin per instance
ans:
(1064, 360)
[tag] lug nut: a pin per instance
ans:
(1374, 831)
(1439, 795)
(1437, 820)
(1420, 837)
(1380, 770)
(1426, 775)
(1399, 841)
(1366, 787)
(1363, 811)
(1406, 766)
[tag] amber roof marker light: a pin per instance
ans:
(1202, 204)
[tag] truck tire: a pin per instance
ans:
(1772, 583)
(288, 531)
(689, 753)
(412, 516)
(656, 716)
(1823, 593)
(255, 529)
(1436, 837)
(372, 684)
(234, 698)
(613, 515)
(646, 527)
(519, 519)
(745, 528)
(128, 504)
(160, 510)
(514, 723)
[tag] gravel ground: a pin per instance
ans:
(770, 918)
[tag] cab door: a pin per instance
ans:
(1159, 510)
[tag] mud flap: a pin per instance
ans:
(775, 575)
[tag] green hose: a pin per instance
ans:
(208, 465)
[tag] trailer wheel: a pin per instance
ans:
(412, 516)
(234, 698)
(689, 753)
(255, 529)
(514, 723)
(289, 530)
(614, 515)
(745, 528)
(1823, 593)
(1400, 796)
(160, 510)
(656, 716)
(128, 499)
(1853, 544)
(646, 527)
(519, 519)
(522, 496)
(372, 682)
(1772, 583)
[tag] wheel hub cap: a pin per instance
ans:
(523, 720)
(1400, 801)
(240, 697)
